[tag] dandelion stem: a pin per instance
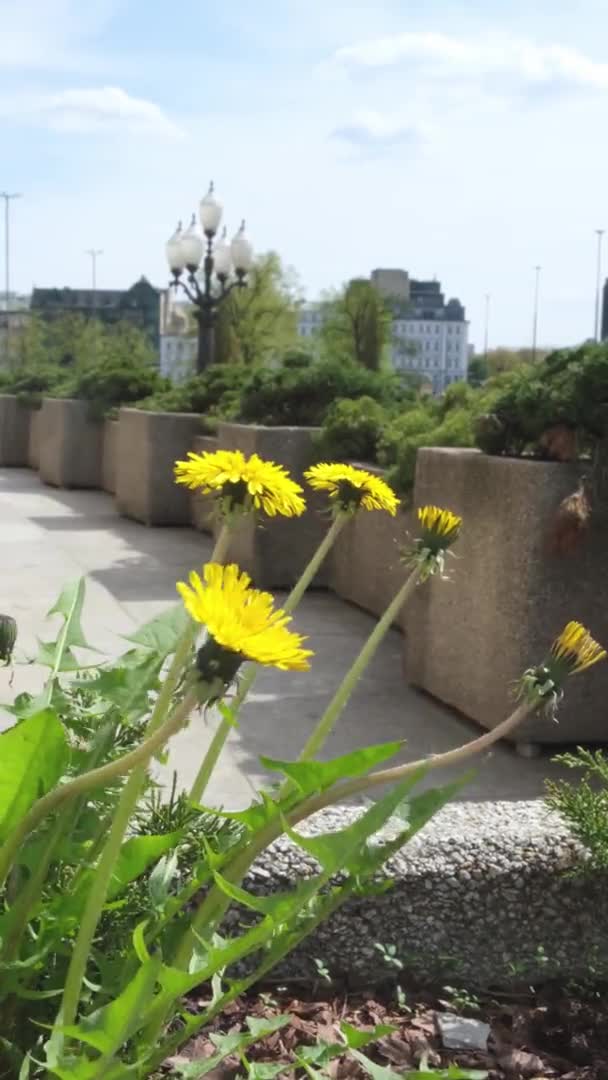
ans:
(227, 722)
(342, 695)
(103, 873)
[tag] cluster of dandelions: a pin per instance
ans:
(241, 621)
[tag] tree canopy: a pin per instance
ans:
(357, 325)
(258, 323)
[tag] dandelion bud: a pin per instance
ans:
(8, 637)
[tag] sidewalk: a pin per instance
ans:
(50, 536)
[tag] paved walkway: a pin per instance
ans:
(50, 536)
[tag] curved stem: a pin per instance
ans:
(215, 903)
(103, 873)
(227, 723)
(342, 695)
(128, 800)
(78, 786)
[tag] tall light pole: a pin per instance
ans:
(486, 327)
(186, 251)
(598, 282)
(537, 270)
(94, 252)
(7, 196)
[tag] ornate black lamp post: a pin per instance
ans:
(186, 250)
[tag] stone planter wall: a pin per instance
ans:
(508, 596)
(70, 444)
(14, 431)
(148, 446)
(276, 550)
(33, 447)
(365, 565)
(474, 896)
(109, 456)
(203, 506)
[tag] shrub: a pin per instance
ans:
(108, 385)
(217, 392)
(420, 427)
(30, 385)
(352, 429)
(569, 388)
(303, 396)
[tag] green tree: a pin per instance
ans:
(259, 323)
(357, 325)
(478, 371)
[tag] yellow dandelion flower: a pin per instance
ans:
(242, 483)
(576, 649)
(352, 488)
(440, 528)
(241, 621)
(573, 651)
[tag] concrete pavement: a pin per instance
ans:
(50, 536)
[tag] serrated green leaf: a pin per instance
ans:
(235, 1042)
(159, 882)
(33, 757)
(356, 1038)
(379, 1072)
(260, 1028)
(69, 605)
(108, 1028)
(85, 1069)
(312, 776)
(162, 633)
(336, 851)
(417, 811)
(128, 687)
(256, 816)
(277, 906)
(137, 854)
(264, 1070)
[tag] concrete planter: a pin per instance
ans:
(14, 431)
(70, 444)
(202, 506)
(275, 551)
(33, 446)
(148, 446)
(108, 456)
(365, 566)
(508, 596)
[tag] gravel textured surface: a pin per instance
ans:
(487, 893)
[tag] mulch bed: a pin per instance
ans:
(547, 1034)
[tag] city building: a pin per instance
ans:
(178, 339)
(14, 315)
(139, 305)
(310, 319)
(430, 335)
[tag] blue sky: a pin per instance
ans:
(465, 140)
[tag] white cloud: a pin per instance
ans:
(504, 63)
(94, 111)
(374, 131)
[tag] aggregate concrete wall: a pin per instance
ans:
(486, 895)
(508, 596)
(148, 446)
(70, 444)
(109, 457)
(33, 447)
(14, 431)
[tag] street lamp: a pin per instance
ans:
(185, 252)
